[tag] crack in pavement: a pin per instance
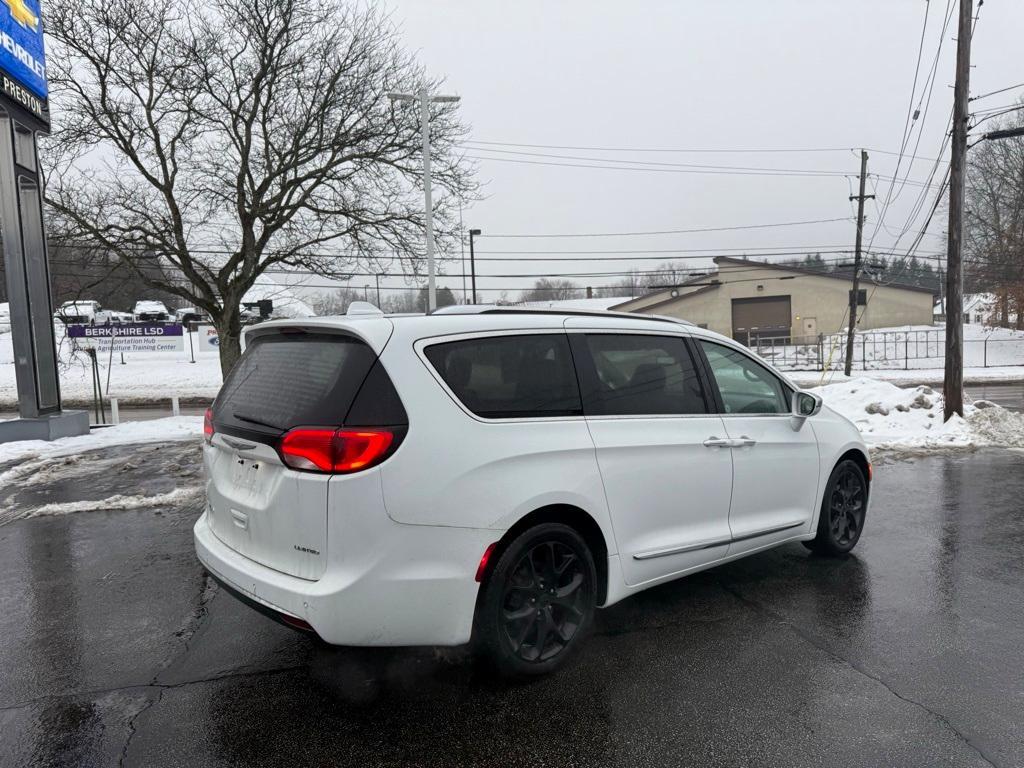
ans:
(822, 646)
(142, 687)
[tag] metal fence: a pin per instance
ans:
(887, 350)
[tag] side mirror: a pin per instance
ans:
(806, 404)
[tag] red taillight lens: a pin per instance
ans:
(309, 449)
(330, 450)
(208, 425)
(481, 570)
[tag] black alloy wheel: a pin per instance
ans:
(538, 601)
(842, 511)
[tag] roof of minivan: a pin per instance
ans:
(377, 329)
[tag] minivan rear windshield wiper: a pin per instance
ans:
(251, 420)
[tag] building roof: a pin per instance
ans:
(594, 303)
(815, 272)
(715, 280)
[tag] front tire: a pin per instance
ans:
(843, 509)
(538, 601)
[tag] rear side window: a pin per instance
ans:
(289, 380)
(640, 374)
(504, 377)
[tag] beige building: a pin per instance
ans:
(748, 300)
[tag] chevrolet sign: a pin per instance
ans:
(22, 55)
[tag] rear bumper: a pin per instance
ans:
(417, 588)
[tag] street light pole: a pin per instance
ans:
(377, 278)
(425, 100)
(472, 259)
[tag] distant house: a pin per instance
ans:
(979, 309)
(751, 300)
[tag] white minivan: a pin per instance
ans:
(496, 474)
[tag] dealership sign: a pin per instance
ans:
(23, 56)
(207, 339)
(132, 337)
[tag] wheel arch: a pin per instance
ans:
(576, 518)
(860, 458)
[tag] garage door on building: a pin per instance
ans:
(763, 317)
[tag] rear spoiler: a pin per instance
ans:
(375, 330)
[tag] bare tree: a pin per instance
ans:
(994, 221)
(336, 302)
(546, 289)
(226, 139)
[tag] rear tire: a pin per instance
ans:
(538, 602)
(843, 509)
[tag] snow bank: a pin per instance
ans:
(118, 502)
(894, 418)
(172, 428)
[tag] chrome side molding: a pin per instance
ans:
(715, 543)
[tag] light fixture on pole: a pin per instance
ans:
(472, 260)
(425, 99)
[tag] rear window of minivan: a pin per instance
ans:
(285, 380)
(503, 377)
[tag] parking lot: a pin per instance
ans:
(116, 648)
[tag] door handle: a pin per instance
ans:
(738, 442)
(718, 442)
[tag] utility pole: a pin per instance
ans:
(856, 260)
(377, 278)
(953, 382)
(472, 259)
(425, 100)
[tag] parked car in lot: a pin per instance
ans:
(151, 312)
(497, 474)
(89, 312)
(188, 315)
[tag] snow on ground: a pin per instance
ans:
(142, 377)
(930, 376)
(889, 417)
(118, 502)
(32, 454)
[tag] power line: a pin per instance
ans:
(724, 172)
(892, 194)
(809, 171)
(743, 150)
(671, 231)
(993, 93)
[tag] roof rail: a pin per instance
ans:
(585, 313)
(493, 309)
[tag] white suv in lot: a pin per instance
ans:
(496, 474)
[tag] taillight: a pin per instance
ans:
(208, 426)
(481, 569)
(335, 450)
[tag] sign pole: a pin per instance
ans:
(24, 114)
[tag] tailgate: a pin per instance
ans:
(290, 376)
(264, 510)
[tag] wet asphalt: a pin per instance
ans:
(115, 648)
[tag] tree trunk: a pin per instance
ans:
(229, 335)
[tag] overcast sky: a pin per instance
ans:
(661, 75)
